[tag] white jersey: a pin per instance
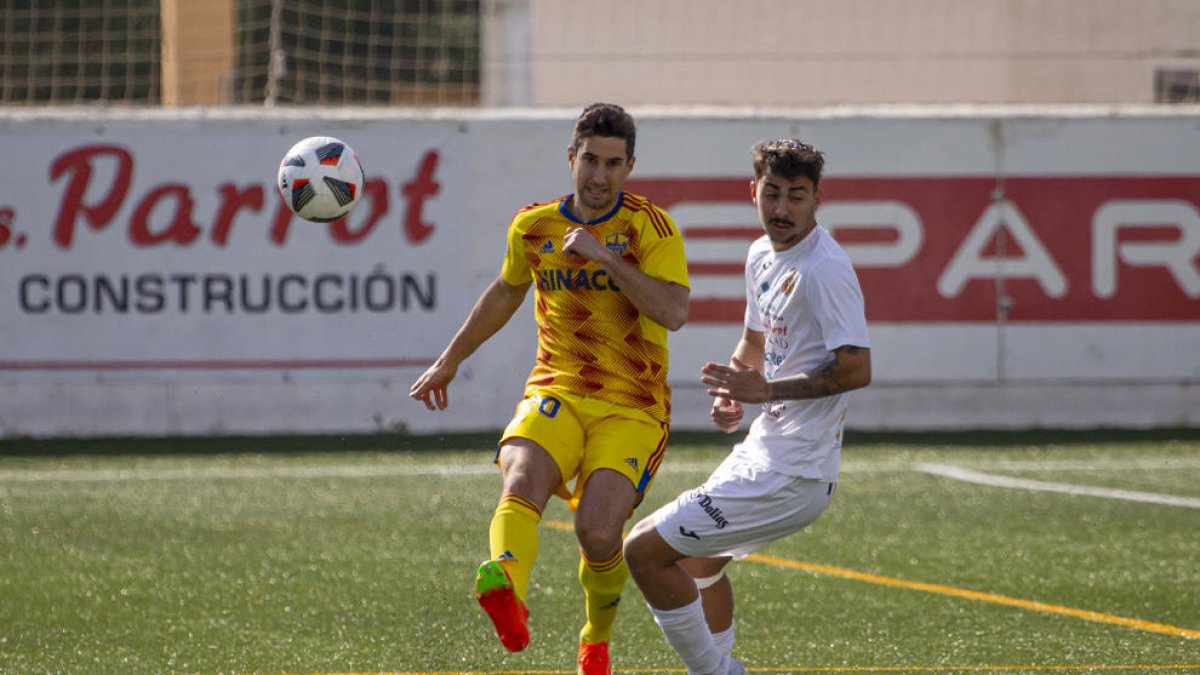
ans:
(807, 302)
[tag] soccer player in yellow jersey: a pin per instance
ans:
(610, 280)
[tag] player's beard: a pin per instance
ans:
(596, 199)
(782, 239)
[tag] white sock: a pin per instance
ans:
(724, 640)
(687, 633)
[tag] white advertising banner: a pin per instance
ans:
(1022, 271)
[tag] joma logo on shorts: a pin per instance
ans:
(713, 512)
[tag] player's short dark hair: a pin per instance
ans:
(788, 158)
(605, 119)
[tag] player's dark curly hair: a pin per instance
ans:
(788, 158)
(605, 119)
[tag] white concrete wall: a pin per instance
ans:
(1099, 212)
(782, 53)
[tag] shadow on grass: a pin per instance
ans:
(393, 442)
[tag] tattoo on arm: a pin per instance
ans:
(832, 376)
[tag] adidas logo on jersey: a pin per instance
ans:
(547, 247)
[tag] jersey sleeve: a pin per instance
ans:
(515, 269)
(837, 301)
(753, 318)
(662, 250)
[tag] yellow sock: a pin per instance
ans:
(602, 586)
(513, 537)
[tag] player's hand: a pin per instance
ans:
(737, 382)
(580, 243)
(726, 414)
(430, 388)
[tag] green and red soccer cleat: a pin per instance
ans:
(494, 591)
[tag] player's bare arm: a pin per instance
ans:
(664, 302)
(727, 413)
(495, 306)
(847, 368)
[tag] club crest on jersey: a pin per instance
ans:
(617, 243)
(789, 282)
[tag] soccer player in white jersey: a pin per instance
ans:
(803, 347)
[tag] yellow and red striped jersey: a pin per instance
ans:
(592, 341)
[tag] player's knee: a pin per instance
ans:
(634, 553)
(598, 543)
(639, 551)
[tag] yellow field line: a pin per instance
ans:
(952, 591)
(1034, 605)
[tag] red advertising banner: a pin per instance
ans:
(977, 249)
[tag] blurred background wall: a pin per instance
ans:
(772, 53)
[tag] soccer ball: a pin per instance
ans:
(320, 179)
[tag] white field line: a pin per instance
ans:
(223, 473)
(378, 470)
(993, 480)
(485, 467)
(1098, 464)
(258, 473)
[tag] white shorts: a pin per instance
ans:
(740, 509)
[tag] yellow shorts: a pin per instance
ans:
(583, 434)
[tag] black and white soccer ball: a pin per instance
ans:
(320, 179)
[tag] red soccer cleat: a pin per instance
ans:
(593, 659)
